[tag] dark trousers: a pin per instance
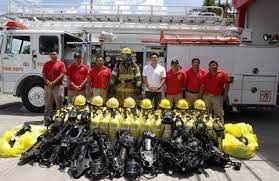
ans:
(157, 96)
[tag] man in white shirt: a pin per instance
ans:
(154, 76)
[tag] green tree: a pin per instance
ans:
(209, 3)
(229, 6)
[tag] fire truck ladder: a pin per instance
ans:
(93, 18)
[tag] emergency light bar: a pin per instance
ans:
(15, 25)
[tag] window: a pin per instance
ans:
(18, 45)
(48, 43)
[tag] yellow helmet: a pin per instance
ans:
(126, 51)
(129, 103)
(97, 101)
(146, 104)
(182, 104)
(79, 100)
(112, 103)
(200, 105)
(165, 104)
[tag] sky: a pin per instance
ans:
(135, 2)
(3, 3)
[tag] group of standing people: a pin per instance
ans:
(126, 81)
(211, 86)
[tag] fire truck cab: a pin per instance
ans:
(23, 54)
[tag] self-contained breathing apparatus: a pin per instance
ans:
(71, 144)
(121, 149)
(191, 150)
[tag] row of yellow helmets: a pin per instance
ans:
(129, 102)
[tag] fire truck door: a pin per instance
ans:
(43, 44)
(16, 60)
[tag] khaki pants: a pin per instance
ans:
(191, 98)
(214, 103)
(55, 93)
(174, 98)
(100, 92)
(72, 94)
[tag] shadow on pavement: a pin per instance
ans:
(16, 109)
(35, 122)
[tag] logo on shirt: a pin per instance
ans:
(81, 70)
(219, 75)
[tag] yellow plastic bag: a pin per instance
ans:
(23, 142)
(238, 129)
(238, 149)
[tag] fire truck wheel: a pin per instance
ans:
(33, 97)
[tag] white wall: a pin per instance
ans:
(263, 17)
(238, 62)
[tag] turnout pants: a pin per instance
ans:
(121, 96)
(125, 90)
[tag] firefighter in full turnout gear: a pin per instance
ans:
(126, 77)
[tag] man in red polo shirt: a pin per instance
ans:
(174, 82)
(194, 77)
(53, 72)
(77, 77)
(215, 88)
(98, 79)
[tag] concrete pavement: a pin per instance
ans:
(254, 169)
(258, 168)
(265, 125)
(8, 100)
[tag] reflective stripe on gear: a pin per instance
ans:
(125, 73)
(138, 74)
(114, 73)
(138, 83)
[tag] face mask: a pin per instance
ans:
(124, 56)
(128, 59)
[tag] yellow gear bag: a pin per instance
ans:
(22, 143)
(240, 149)
(238, 129)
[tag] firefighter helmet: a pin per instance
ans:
(146, 104)
(165, 104)
(79, 100)
(126, 51)
(129, 103)
(97, 101)
(112, 103)
(182, 104)
(199, 105)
